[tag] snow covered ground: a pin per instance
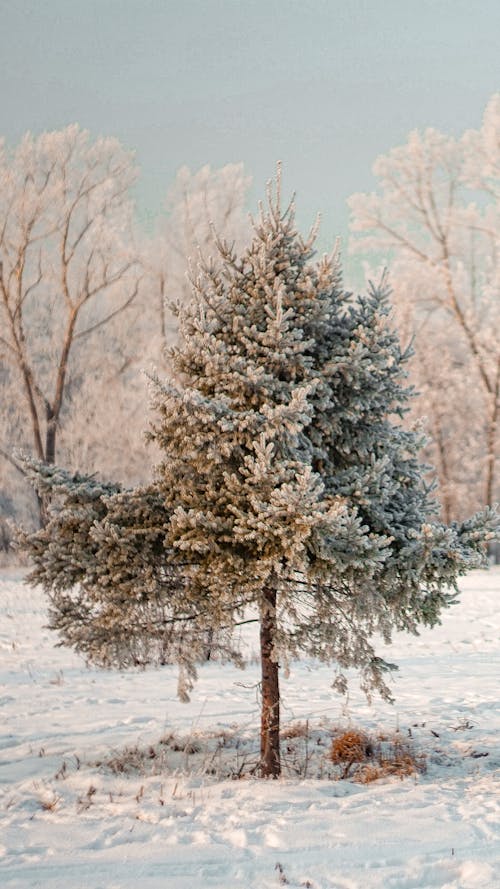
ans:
(67, 822)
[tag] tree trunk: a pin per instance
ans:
(49, 457)
(270, 766)
(43, 513)
(491, 446)
(443, 468)
(50, 439)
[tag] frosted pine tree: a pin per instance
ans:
(117, 596)
(289, 487)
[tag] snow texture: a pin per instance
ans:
(67, 823)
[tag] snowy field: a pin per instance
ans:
(67, 822)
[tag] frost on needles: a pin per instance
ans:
(289, 489)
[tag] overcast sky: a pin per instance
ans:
(323, 85)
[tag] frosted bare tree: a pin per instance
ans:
(67, 271)
(436, 219)
(197, 206)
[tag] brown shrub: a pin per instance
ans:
(348, 748)
(374, 759)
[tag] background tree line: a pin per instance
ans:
(85, 298)
(84, 302)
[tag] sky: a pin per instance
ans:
(322, 85)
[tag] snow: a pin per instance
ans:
(66, 821)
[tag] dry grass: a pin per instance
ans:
(327, 752)
(349, 747)
(133, 760)
(295, 730)
(366, 759)
(181, 745)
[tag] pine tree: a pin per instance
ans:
(289, 486)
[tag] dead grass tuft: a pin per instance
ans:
(295, 730)
(133, 759)
(367, 759)
(350, 746)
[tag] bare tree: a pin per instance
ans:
(68, 269)
(198, 206)
(435, 218)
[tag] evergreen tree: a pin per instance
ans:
(288, 485)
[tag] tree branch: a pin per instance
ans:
(103, 321)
